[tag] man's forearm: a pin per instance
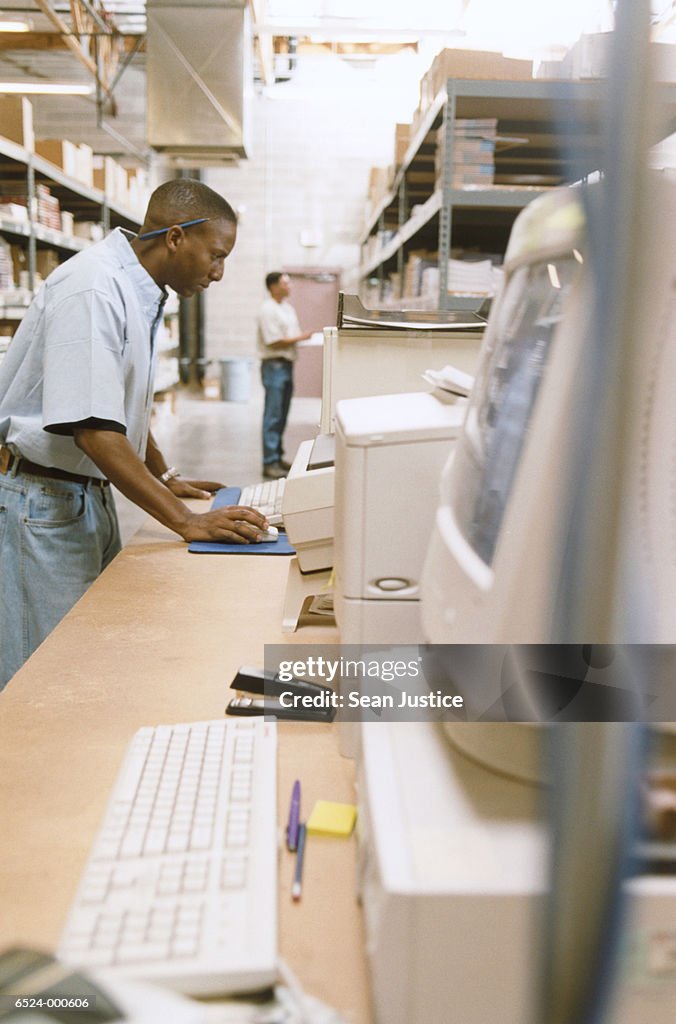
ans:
(282, 343)
(155, 460)
(118, 461)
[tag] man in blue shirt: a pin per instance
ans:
(76, 391)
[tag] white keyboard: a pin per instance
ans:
(181, 883)
(266, 497)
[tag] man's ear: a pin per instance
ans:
(174, 237)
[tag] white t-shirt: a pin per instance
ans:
(277, 320)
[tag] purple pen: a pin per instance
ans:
(294, 818)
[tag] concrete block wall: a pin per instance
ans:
(315, 139)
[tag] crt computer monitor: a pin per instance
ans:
(493, 565)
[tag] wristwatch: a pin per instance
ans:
(169, 474)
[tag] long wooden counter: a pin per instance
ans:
(158, 638)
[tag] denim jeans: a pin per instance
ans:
(277, 377)
(55, 539)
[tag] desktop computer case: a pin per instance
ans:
(452, 872)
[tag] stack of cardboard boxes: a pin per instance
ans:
(473, 64)
(473, 152)
(589, 59)
(74, 160)
(380, 179)
(125, 187)
(16, 119)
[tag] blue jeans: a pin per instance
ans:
(55, 539)
(277, 377)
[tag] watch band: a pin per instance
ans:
(169, 474)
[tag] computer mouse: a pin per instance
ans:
(269, 536)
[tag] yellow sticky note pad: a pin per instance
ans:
(330, 819)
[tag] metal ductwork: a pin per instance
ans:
(199, 76)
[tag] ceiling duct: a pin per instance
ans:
(199, 74)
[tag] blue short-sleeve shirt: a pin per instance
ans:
(84, 351)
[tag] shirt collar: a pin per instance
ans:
(149, 292)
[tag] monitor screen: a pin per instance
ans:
(498, 419)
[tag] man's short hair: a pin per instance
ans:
(187, 199)
(272, 278)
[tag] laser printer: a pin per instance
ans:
(382, 352)
(370, 352)
(390, 452)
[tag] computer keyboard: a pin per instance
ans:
(181, 884)
(266, 497)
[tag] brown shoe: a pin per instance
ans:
(273, 471)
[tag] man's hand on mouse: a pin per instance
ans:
(234, 524)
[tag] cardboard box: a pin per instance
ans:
(138, 190)
(480, 64)
(85, 164)
(379, 182)
(48, 207)
(473, 174)
(67, 223)
(590, 58)
(17, 211)
(19, 262)
(16, 121)
(111, 178)
(104, 174)
(553, 70)
(46, 260)
(120, 191)
(60, 152)
(88, 229)
(475, 127)
(402, 138)
(6, 268)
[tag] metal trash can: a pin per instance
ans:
(235, 380)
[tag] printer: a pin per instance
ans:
(382, 352)
(390, 453)
(370, 352)
(307, 503)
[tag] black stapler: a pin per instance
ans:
(295, 699)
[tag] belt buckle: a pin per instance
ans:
(5, 459)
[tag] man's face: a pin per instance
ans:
(280, 290)
(284, 286)
(197, 255)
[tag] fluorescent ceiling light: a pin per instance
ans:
(15, 26)
(46, 88)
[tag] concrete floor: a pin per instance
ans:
(208, 439)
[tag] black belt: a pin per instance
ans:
(8, 460)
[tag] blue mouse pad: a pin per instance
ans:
(230, 496)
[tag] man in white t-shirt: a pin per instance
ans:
(278, 334)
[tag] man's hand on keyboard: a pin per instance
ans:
(193, 488)
(234, 524)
